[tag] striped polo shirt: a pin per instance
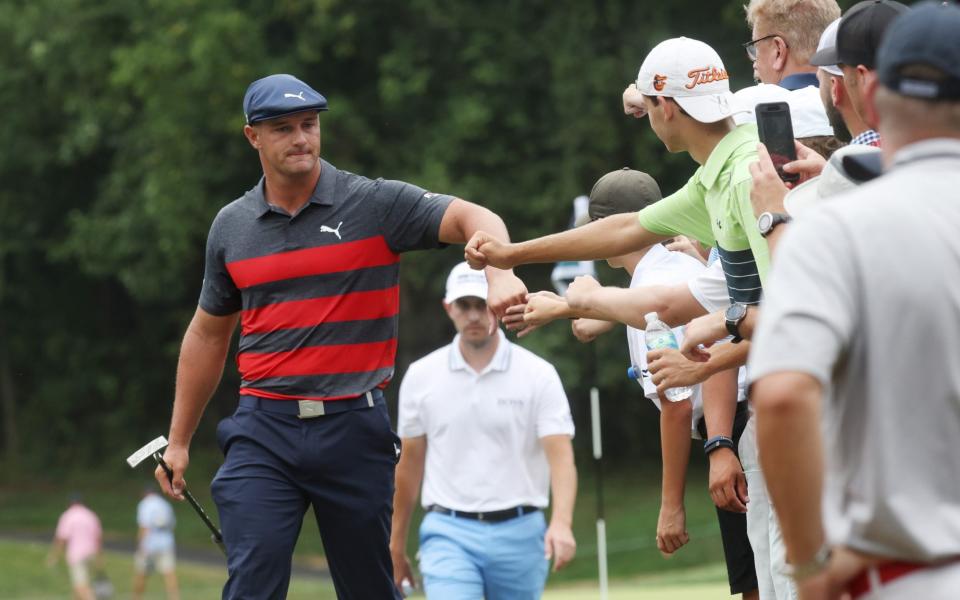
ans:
(318, 291)
(714, 207)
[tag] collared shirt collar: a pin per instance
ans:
(867, 138)
(935, 148)
(323, 194)
(798, 81)
(742, 134)
(499, 362)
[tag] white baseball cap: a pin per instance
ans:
(691, 73)
(464, 281)
(828, 39)
(833, 181)
(807, 114)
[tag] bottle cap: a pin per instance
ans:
(650, 317)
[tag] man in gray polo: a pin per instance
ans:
(864, 304)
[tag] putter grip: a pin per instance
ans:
(214, 530)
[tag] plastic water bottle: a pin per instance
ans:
(658, 335)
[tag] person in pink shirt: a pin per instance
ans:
(79, 534)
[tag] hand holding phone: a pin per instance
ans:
(776, 133)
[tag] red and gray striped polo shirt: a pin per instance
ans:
(318, 291)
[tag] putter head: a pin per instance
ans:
(137, 457)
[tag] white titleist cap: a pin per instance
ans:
(806, 108)
(833, 180)
(464, 281)
(828, 39)
(691, 73)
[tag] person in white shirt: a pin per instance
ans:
(486, 427)
(155, 544)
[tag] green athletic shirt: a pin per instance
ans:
(714, 207)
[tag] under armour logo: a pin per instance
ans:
(336, 232)
(298, 96)
(396, 450)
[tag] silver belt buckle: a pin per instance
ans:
(308, 409)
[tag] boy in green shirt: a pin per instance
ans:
(684, 89)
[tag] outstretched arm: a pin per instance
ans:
(675, 305)
(461, 221)
(612, 236)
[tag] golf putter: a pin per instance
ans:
(153, 449)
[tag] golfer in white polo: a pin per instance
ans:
(487, 428)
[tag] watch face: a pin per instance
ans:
(736, 312)
(765, 222)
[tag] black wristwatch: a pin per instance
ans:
(768, 221)
(735, 315)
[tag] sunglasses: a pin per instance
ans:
(751, 46)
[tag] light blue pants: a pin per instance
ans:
(470, 560)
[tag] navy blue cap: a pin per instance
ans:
(279, 95)
(928, 35)
(859, 34)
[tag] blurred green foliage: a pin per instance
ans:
(122, 129)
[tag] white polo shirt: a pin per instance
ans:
(660, 266)
(483, 429)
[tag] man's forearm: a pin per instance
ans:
(409, 476)
(791, 455)
(749, 322)
(727, 356)
(675, 420)
(612, 236)
(675, 305)
(198, 374)
(563, 477)
(720, 402)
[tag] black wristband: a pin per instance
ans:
(716, 442)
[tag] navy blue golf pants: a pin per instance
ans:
(276, 465)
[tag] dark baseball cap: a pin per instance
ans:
(859, 34)
(928, 35)
(622, 191)
(279, 95)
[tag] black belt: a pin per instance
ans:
(494, 516)
(307, 409)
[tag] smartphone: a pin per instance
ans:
(776, 133)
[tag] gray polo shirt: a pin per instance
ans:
(865, 296)
(318, 291)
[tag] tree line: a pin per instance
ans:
(122, 122)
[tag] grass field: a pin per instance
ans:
(631, 506)
(23, 576)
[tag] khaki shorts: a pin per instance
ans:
(160, 562)
(80, 573)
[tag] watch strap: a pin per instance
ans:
(717, 442)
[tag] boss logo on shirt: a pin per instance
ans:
(510, 402)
